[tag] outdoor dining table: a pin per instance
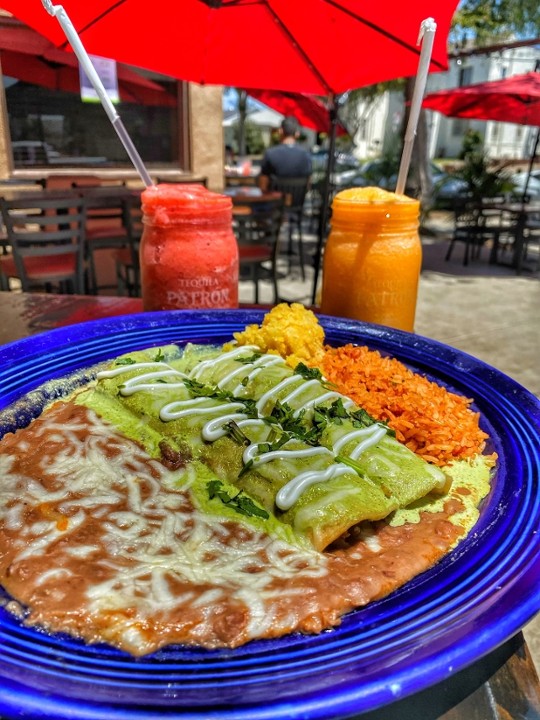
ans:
(233, 179)
(504, 684)
(519, 213)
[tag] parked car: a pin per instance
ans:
(28, 153)
(33, 152)
(345, 165)
(533, 186)
(447, 189)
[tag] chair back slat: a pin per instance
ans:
(257, 225)
(53, 231)
(127, 259)
(294, 190)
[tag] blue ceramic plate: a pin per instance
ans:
(444, 620)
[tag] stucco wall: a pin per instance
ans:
(207, 150)
(5, 155)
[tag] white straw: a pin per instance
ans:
(60, 14)
(426, 36)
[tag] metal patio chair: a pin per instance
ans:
(294, 190)
(47, 241)
(257, 225)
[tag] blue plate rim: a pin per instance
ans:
(454, 367)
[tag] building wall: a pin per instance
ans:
(374, 119)
(6, 165)
(206, 131)
(380, 121)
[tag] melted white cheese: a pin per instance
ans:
(152, 535)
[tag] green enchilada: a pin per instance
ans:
(301, 450)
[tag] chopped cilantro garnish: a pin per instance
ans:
(198, 389)
(234, 431)
(125, 361)
(159, 356)
(275, 443)
(361, 418)
(312, 373)
(308, 373)
(247, 467)
(246, 360)
(350, 463)
(240, 503)
(325, 414)
(250, 406)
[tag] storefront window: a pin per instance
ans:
(54, 128)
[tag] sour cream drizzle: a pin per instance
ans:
(143, 382)
(291, 491)
(226, 412)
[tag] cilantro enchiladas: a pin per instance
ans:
(299, 448)
(127, 524)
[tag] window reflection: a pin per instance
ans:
(55, 128)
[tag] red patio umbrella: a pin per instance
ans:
(28, 56)
(320, 47)
(514, 99)
(310, 112)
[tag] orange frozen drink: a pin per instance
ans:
(372, 258)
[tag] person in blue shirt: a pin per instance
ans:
(286, 159)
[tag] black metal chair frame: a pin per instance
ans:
(474, 226)
(127, 259)
(530, 229)
(294, 190)
(257, 228)
(104, 205)
(47, 228)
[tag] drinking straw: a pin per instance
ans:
(426, 37)
(60, 14)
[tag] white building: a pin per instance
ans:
(501, 140)
(380, 120)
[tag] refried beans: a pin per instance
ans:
(99, 540)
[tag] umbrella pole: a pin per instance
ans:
(531, 166)
(325, 196)
(534, 152)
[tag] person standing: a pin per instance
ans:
(286, 159)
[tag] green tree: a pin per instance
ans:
(487, 21)
(483, 180)
(254, 139)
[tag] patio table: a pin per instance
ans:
(520, 213)
(504, 684)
